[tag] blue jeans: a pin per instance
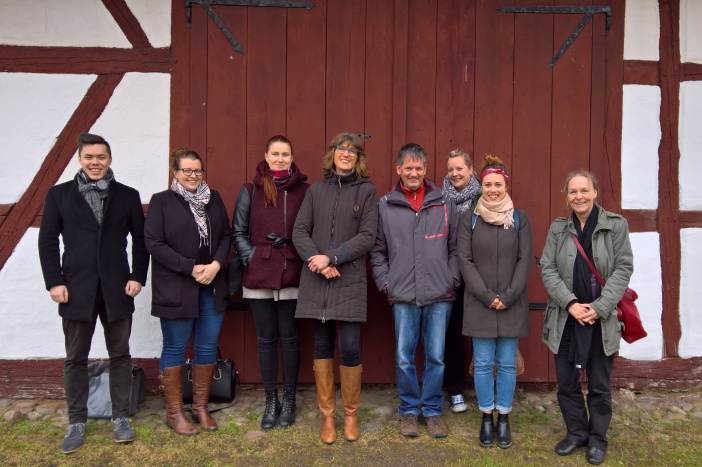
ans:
(205, 330)
(431, 321)
(488, 352)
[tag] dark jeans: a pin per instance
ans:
(275, 321)
(204, 329)
(454, 354)
(78, 338)
(581, 430)
(349, 341)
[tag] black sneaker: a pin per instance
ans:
(74, 438)
(124, 433)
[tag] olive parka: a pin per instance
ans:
(614, 261)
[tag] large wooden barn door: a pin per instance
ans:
(445, 74)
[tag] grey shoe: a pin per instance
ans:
(436, 426)
(74, 438)
(124, 433)
(409, 426)
(458, 404)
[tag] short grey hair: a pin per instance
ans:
(413, 151)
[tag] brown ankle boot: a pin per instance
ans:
(202, 382)
(172, 385)
(326, 397)
(351, 398)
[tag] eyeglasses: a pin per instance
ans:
(189, 172)
(344, 150)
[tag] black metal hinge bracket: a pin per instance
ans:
(588, 10)
(207, 6)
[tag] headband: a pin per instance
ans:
(494, 171)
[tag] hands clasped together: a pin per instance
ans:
(497, 304)
(584, 313)
(321, 265)
(205, 273)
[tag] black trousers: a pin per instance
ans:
(585, 426)
(78, 338)
(454, 356)
(349, 341)
(275, 322)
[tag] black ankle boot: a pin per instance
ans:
(270, 416)
(487, 430)
(504, 436)
(287, 414)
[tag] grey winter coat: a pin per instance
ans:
(338, 218)
(495, 262)
(415, 258)
(613, 260)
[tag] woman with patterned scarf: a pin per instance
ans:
(261, 233)
(494, 253)
(463, 187)
(187, 234)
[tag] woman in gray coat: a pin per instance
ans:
(494, 252)
(580, 322)
(334, 229)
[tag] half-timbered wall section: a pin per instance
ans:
(443, 73)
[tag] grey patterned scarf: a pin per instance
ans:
(95, 191)
(197, 202)
(464, 199)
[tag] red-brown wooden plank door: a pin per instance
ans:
(444, 73)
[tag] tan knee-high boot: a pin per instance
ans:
(326, 397)
(351, 398)
(202, 383)
(172, 385)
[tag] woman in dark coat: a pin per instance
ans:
(261, 233)
(494, 252)
(334, 230)
(187, 234)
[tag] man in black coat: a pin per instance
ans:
(93, 214)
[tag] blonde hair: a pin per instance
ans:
(580, 173)
(458, 153)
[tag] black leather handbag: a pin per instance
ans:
(223, 382)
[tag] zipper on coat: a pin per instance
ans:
(331, 245)
(285, 225)
(209, 234)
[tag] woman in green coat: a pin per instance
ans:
(580, 322)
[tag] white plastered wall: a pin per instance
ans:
(33, 110)
(641, 30)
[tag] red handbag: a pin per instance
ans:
(627, 312)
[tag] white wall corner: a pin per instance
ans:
(51, 23)
(647, 283)
(154, 16)
(690, 31)
(641, 136)
(641, 30)
(690, 293)
(136, 123)
(690, 144)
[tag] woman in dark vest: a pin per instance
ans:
(187, 234)
(494, 252)
(333, 232)
(261, 233)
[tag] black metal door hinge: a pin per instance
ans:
(207, 5)
(588, 10)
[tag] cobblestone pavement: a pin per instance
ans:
(379, 400)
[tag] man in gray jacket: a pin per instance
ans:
(415, 264)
